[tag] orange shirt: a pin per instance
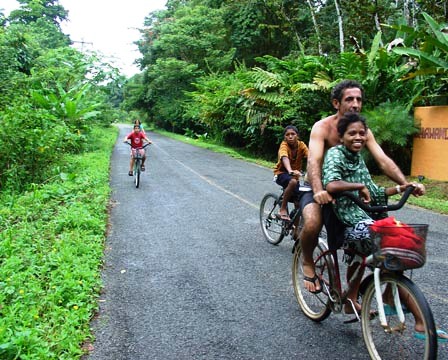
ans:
(296, 162)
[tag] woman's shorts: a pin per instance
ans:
(358, 238)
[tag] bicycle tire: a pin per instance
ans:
(316, 307)
(398, 342)
(137, 173)
(271, 226)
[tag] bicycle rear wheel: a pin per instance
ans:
(137, 171)
(314, 306)
(398, 340)
(271, 226)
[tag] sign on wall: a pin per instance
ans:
(430, 151)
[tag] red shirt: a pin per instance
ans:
(136, 139)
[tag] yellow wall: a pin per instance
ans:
(430, 152)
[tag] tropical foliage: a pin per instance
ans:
(51, 93)
(240, 71)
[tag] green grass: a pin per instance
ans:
(51, 250)
(436, 198)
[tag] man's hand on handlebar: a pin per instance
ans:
(419, 189)
(323, 197)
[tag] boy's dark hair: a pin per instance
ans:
(291, 127)
(347, 119)
(338, 90)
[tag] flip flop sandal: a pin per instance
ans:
(313, 281)
(422, 336)
(390, 310)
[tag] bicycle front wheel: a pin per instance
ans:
(271, 225)
(137, 171)
(317, 306)
(398, 340)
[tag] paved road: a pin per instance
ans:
(188, 275)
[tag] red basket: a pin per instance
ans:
(399, 247)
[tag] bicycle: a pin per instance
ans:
(137, 163)
(273, 227)
(387, 326)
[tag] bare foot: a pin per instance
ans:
(284, 215)
(348, 308)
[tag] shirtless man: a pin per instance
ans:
(346, 96)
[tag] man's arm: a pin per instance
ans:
(388, 166)
(316, 152)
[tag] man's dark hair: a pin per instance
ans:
(347, 119)
(338, 90)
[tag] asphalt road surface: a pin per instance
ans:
(188, 274)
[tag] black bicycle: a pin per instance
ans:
(138, 157)
(273, 227)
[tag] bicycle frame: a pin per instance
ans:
(366, 261)
(137, 157)
(386, 296)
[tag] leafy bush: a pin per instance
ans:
(51, 248)
(393, 128)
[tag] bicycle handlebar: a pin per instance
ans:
(377, 208)
(145, 145)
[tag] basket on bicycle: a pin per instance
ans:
(399, 246)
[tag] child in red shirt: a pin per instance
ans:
(137, 138)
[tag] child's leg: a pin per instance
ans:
(352, 294)
(289, 191)
(142, 151)
(131, 164)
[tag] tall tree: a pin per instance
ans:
(34, 10)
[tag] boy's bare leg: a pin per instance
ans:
(289, 191)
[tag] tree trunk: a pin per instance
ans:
(377, 21)
(316, 28)
(341, 29)
(299, 41)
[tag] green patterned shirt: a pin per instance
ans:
(342, 164)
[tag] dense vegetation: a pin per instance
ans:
(239, 71)
(56, 105)
(51, 94)
(51, 250)
(234, 72)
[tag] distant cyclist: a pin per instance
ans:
(139, 123)
(137, 138)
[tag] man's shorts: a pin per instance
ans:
(300, 197)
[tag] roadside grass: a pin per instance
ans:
(51, 250)
(436, 198)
